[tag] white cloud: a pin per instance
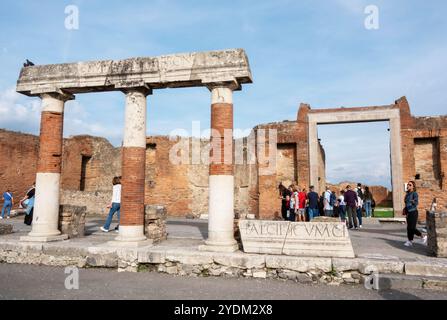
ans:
(19, 113)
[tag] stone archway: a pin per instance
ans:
(222, 72)
(358, 115)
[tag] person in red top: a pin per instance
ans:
(302, 197)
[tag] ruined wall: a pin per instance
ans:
(430, 160)
(18, 163)
(104, 163)
(289, 166)
(90, 163)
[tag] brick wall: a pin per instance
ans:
(183, 189)
(18, 163)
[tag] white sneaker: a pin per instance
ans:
(360, 227)
(424, 240)
(1, 218)
(408, 243)
(8, 217)
(104, 229)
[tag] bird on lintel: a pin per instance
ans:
(28, 63)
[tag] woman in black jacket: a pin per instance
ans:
(411, 212)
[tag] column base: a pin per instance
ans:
(29, 238)
(130, 244)
(217, 247)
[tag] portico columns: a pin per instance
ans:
(131, 231)
(221, 179)
(46, 205)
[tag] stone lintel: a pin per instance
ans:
(198, 69)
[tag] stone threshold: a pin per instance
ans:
(431, 273)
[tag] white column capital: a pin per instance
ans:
(221, 95)
(54, 102)
(145, 90)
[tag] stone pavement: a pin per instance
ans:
(378, 248)
(25, 282)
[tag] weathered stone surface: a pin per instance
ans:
(368, 266)
(178, 70)
(399, 281)
(151, 257)
(155, 222)
(103, 260)
(436, 284)
(189, 258)
(5, 228)
(61, 250)
(261, 274)
(437, 233)
(300, 264)
(320, 239)
(72, 220)
(243, 261)
(155, 212)
(427, 268)
(345, 264)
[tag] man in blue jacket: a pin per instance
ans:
(7, 204)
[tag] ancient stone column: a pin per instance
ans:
(46, 205)
(221, 179)
(131, 230)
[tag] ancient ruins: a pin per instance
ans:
(221, 72)
(78, 170)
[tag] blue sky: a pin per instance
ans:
(313, 51)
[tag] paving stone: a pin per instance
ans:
(243, 261)
(190, 257)
(298, 263)
(427, 268)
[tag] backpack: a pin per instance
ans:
(332, 199)
(360, 193)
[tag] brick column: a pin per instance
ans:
(46, 205)
(133, 170)
(221, 179)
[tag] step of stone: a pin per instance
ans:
(400, 281)
(430, 267)
(393, 220)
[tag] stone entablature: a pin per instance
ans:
(169, 71)
(222, 72)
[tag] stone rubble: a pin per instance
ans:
(437, 233)
(72, 220)
(155, 222)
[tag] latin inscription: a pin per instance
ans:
(299, 230)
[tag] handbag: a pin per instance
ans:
(405, 212)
